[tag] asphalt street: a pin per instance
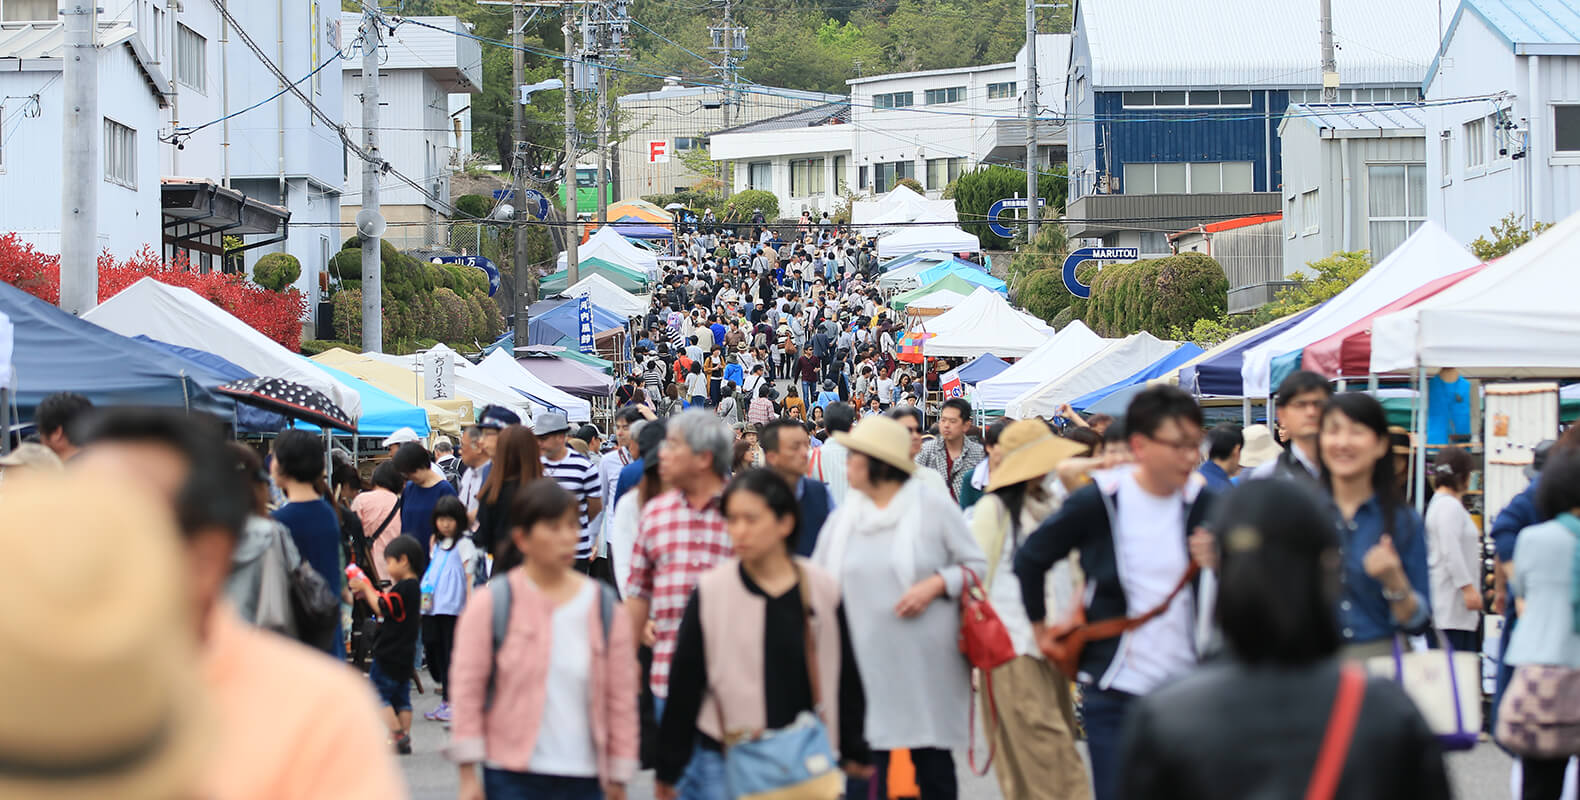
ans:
(1481, 774)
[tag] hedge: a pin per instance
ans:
(740, 206)
(275, 271)
(1157, 295)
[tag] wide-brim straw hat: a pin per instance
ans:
(1031, 450)
(105, 698)
(883, 439)
(1259, 447)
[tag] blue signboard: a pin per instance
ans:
(584, 324)
(536, 203)
(1093, 254)
(1001, 206)
(479, 262)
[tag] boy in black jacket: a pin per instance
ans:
(395, 647)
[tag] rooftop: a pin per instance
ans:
(1228, 225)
(38, 45)
(826, 114)
(928, 72)
(1531, 27)
(1345, 120)
(1253, 43)
(673, 89)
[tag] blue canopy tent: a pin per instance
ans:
(554, 322)
(1156, 369)
(637, 228)
(382, 412)
(981, 368)
(966, 270)
(1220, 374)
(249, 418)
(57, 352)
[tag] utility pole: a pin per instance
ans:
(80, 166)
(526, 289)
(1330, 67)
(372, 269)
(727, 39)
(1032, 168)
(603, 140)
(573, 230)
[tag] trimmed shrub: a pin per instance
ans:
(1157, 295)
(473, 206)
(912, 184)
(740, 206)
(275, 271)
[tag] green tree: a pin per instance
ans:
(976, 191)
(912, 184)
(1329, 276)
(473, 206)
(1507, 236)
(740, 206)
(275, 271)
(1048, 252)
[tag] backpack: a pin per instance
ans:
(499, 591)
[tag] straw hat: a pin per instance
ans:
(883, 439)
(105, 697)
(1030, 450)
(32, 454)
(1259, 447)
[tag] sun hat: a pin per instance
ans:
(101, 660)
(1400, 440)
(1030, 450)
(31, 454)
(550, 422)
(881, 438)
(1259, 447)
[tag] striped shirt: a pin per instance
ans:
(576, 473)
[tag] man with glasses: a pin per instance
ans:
(1300, 400)
(1130, 525)
(911, 418)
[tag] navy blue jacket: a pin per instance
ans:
(816, 503)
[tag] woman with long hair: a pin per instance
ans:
(1383, 540)
(1035, 711)
(1252, 724)
(517, 462)
(1454, 551)
(901, 550)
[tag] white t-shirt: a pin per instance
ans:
(565, 736)
(1149, 543)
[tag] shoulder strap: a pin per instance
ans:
(1109, 628)
(499, 594)
(400, 500)
(1340, 732)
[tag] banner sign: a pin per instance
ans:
(479, 262)
(1000, 206)
(1093, 254)
(584, 324)
(438, 374)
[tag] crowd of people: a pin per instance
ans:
(739, 572)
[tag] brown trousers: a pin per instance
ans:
(1035, 735)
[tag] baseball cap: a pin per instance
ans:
(494, 417)
(401, 436)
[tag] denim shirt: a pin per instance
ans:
(1364, 614)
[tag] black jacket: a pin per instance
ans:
(1085, 522)
(1232, 730)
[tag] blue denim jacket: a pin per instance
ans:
(1364, 615)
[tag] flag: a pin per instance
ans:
(950, 385)
(910, 346)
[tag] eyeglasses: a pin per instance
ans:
(1305, 405)
(1182, 445)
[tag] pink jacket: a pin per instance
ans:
(506, 735)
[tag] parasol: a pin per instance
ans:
(293, 400)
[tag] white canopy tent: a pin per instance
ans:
(503, 370)
(609, 296)
(984, 323)
(471, 383)
(917, 238)
(941, 300)
(1514, 319)
(1115, 362)
(180, 316)
(901, 206)
(1054, 357)
(1430, 253)
(607, 243)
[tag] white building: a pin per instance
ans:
(930, 126)
(424, 75)
(194, 147)
(1518, 151)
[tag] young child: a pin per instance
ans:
(395, 647)
(445, 590)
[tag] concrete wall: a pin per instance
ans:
(1312, 162)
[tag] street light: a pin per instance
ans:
(541, 86)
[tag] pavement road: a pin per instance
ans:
(1481, 774)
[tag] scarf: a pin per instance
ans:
(858, 516)
(1569, 521)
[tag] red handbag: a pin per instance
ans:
(986, 644)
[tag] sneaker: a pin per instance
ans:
(442, 713)
(432, 715)
(403, 744)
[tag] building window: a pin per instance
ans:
(1289, 216)
(1310, 213)
(1446, 144)
(952, 94)
(157, 40)
(1001, 91)
(839, 174)
(1395, 204)
(1476, 143)
(690, 143)
(861, 177)
(1212, 177)
(1566, 129)
(806, 177)
(1396, 94)
(943, 171)
(760, 175)
(887, 173)
(191, 57)
(1155, 99)
(28, 11)
(892, 100)
(120, 154)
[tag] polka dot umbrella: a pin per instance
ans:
(291, 399)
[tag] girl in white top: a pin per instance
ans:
(1453, 552)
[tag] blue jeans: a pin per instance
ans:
(499, 784)
(393, 693)
(1103, 712)
(704, 775)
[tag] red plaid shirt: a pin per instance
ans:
(675, 545)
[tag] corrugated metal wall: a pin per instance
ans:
(1135, 136)
(1251, 256)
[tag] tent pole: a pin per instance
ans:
(1371, 384)
(5, 421)
(1245, 412)
(1420, 432)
